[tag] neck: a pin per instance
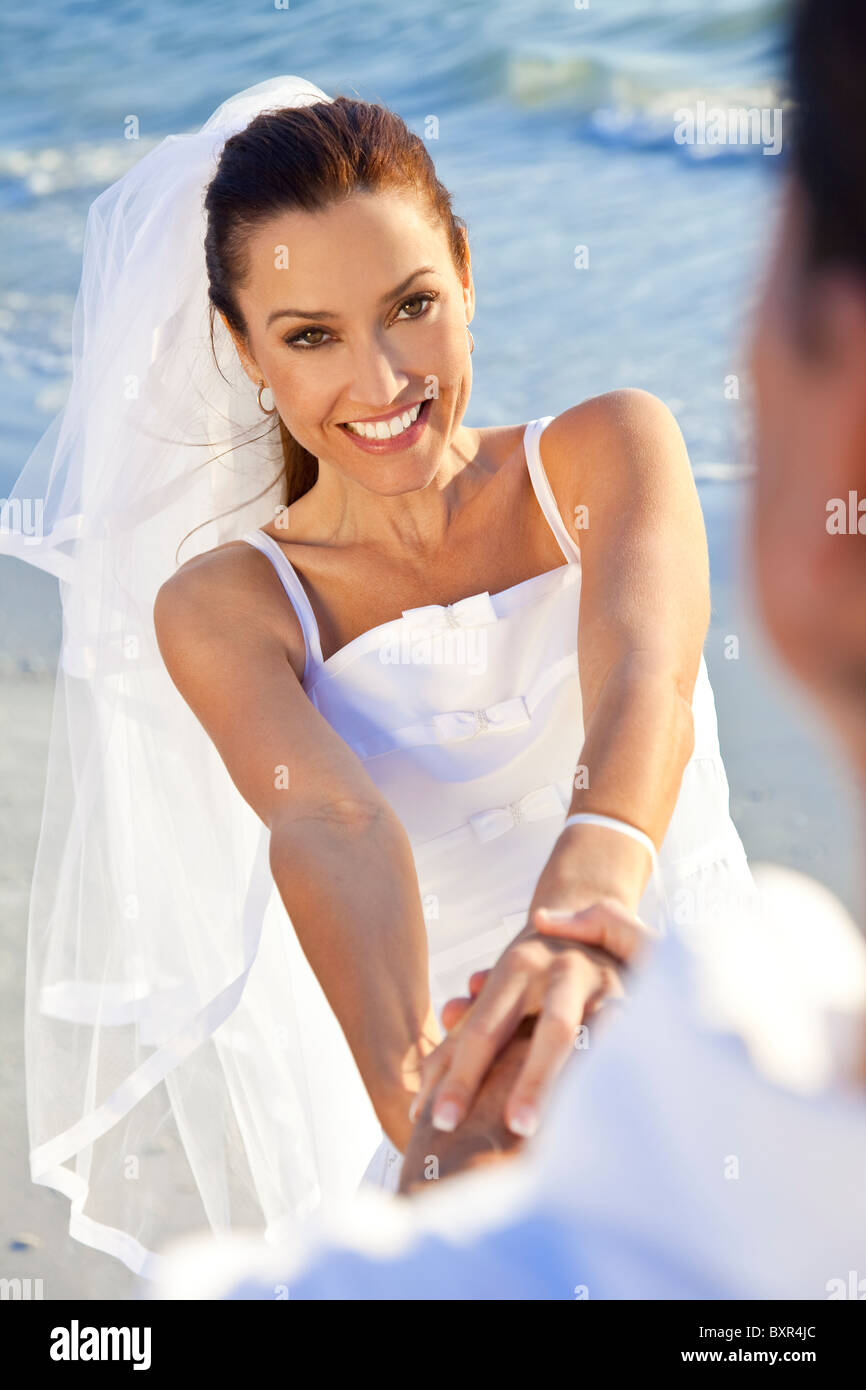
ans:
(412, 524)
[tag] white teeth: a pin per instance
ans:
(385, 429)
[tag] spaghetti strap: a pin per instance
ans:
(296, 592)
(543, 491)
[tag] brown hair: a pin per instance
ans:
(306, 157)
(827, 69)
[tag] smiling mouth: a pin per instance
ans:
(390, 427)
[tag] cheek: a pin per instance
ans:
(303, 388)
(443, 339)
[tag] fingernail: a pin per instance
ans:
(524, 1122)
(446, 1116)
(413, 1110)
(556, 914)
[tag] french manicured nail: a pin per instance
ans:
(524, 1122)
(413, 1111)
(446, 1116)
(556, 914)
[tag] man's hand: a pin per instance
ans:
(482, 1139)
(564, 982)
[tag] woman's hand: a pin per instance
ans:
(562, 968)
(607, 925)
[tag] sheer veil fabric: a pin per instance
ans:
(183, 1067)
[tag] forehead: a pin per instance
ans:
(354, 249)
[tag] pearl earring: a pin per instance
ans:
(273, 408)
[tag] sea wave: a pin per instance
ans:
(631, 107)
(43, 171)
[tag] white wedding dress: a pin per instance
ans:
(184, 1070)
(468, 718)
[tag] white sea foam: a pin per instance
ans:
(88, 164)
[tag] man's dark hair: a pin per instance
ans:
(828, 86)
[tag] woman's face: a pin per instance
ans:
(359, 312)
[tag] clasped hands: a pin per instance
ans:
(509, 1039)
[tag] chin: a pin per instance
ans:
(401, 487)
(395, 477)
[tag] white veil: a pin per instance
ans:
(183, 1067)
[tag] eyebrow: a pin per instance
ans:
(328, 314)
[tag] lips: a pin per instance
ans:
(392, 443)
(412, 408)
(384, 419)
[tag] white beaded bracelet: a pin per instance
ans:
(590, 818)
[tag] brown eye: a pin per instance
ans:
(422, 299)
(300, 339)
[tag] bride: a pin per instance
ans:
(306, 780)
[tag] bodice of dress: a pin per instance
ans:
(468, 718)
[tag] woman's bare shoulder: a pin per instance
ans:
(613, 420)
(593, 426)
(234, 589)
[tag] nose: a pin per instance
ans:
(376, 378)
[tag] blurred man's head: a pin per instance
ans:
(809, 372)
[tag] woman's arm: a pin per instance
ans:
(347, 878)
(644, 612)
(644, 609)
(340, 857)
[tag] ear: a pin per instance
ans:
(246, 361)
(467, 280)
